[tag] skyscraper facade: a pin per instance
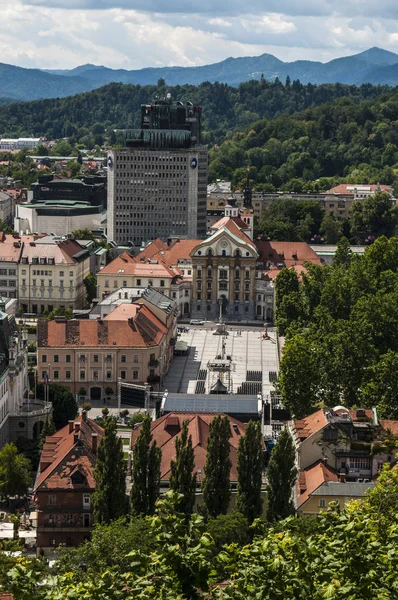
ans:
(157, 176)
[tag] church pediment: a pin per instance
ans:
(225, 243)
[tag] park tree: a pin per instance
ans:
(216, 483)
(63, 400)
(343, 253)
(109, 498)
(281, 477)
(286, 283)
(90, 283)
(15, 475)
(373, 217)
(182, 477)
(250, 472)
(145, 477)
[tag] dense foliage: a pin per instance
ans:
(109, 498)
(63, 401)
(14, 472)
(343, 554)
(250, 472)
(216, 482)
(145, 476)
(341, 326)
(281, 477)
(182, 476)
(356, 140)
(89, 118)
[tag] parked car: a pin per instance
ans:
(196, 322)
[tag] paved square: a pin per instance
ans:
(246, 346)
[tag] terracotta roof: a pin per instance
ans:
(311, 478)
(391, 425)
(228, 223)
(273, 273)
(180, 250)
(342, 188)
(10, 253)
(304, 428)
(62, 252)
(166, 429)
(144, 331)
(288, 253)
(62, 455)
(358, 414)
(127, 265)
(135, 311)
(153, 248)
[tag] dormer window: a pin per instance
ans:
(78, 478)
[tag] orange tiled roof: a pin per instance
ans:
(389, 424)
(62, 252)
(144, 331)
(304, 428)
(342, 188)
(153, 248)
(131, 266)
(62, 455)
(289, 253)
(230, 224)
(311, 478)
(166, 429)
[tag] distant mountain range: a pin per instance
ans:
(376, 66)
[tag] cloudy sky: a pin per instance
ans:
(132, 34)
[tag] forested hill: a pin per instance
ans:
(225, 108)
(343, 139)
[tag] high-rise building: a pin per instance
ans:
(157, 179)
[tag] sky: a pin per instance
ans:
(132, 34)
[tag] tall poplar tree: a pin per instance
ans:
(216, 482)
(250, 471)
(281, 477)
(182, 478)
(145, 477)
(109, 498)
(48, 429)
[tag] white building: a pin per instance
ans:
(19, 143)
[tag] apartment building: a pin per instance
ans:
(65, 483)
(51, 275)
(131, 344)
(10, 253)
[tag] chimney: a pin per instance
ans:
(94, 442)
(75, 437)
(342, 478)
(70, 426)
(77, 426)
(84, 415)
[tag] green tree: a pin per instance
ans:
(281, 477)
(343, 252)
(90, 283)
(232, 528)
(182, 476)
(330, 229)
(109, 498)
(64, 403)
(216, 483)
(374, 216)
(250, 472)
(48, 429)
(145, 477)
(15, 475)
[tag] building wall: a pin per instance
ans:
(8, 279)
(107, 283)
(4, 408)
(47, 286)
(98, 368)
(156, 193)
(314, 504)
(61, 517)
(28, 220)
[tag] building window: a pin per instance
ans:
(362, 464)
(138, 281)
(82, 358)
(86, 500)
(106, 283)
(247, 297)
(67, 358)
(322, 503)
(150, 283)
(52, 499)
(123, 374)
(56, 374)
(82, 374)
(162, 283)
(44, 358)
(67, 374)
(95, 358)
(109, 374)
(198, 296)
(186, 293)
(86, 520)
(95, 375)
(223, 274)
(123, 358)
(56, 358)
(199, 275)
(135, 358)
(44, 374)
(135, 374)
(51, 541)
(124, 283)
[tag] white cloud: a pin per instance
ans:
(156, 33)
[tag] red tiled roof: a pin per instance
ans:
(10, 253)
(228, 223)
(127, 265)
(389, 424)
(304, 428)
(153, 248)
(62, 455)
(62, 252)
(144, 331)
(289, 253)
(166, 429)
(311, 478)
(342, 188)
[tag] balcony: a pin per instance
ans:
(153, 363)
